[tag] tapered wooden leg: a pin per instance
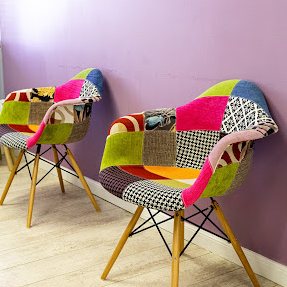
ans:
(181, 213)
(82, 179)
(235, 244)
(122, 241)
(58, 168)
(0, 153)
(12, 154)
(33, 188)
(8, 158)
(176, 248)
(12, 174)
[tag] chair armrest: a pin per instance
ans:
(31, 141)
(192, 194)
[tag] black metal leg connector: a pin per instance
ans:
(54, 165)
(187, 219)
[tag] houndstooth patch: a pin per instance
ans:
(89, 93)
(154, 195)
(116, 180)
(14, 140)
(193, 147)
(241, 114)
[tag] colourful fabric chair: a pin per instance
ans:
(167, 159)
(51, 115)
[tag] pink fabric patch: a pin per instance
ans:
(191, 195)
(33, 139)
(201, 114)
(68, 91)
(220, 147)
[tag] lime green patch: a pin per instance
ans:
(82, 75)
(15, 112)
(220, 180)
(55, 134)
(221, 89)
(123, 149)
(172, 183)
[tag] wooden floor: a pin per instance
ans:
(69, 244)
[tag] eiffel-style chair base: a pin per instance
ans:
(34, 174)
(178, 240)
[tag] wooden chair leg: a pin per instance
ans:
(0, 153)
(235, 244)
(12, 154)
(11, 177)
(82, 179)
(176, 248)
(33, 188)
(58, 168)
(8, 158)
(181, 213)
(122, 241)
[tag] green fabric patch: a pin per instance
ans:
(220, 180)
(82, 75)
(55, 133)
(171, 183)
(15, 112)
(123, 149)
(221, 89)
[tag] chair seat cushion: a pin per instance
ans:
(12, 139)
(146, 186)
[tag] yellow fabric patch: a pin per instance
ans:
(34, 128)
(171, 183)
(174, 172)
(221, 89)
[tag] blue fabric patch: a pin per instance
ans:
(96, 77)
(249, 91)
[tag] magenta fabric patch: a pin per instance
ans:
(201, 114)
(190, 195)
(33, 139)
(68, 91)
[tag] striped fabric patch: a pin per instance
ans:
(130, 123)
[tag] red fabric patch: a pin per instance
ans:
(201, 114)
(129, 124)
(70, 90)
(140, 171)
(21, 128)
(23, 97)
(11, 97)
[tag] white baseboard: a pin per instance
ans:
(261, 265)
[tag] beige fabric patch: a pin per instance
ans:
(159, 148)
(63, 114)
(79, 131)
(242, 172)
(37, 112)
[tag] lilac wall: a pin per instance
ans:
(163, 54)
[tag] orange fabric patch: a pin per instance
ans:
(174, 172)
(34, 128)
(140, 171)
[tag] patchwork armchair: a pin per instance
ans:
(167, 159)
(51, 115)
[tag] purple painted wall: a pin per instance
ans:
(163, 54)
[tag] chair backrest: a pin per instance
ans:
(25, 110)
(211, 135)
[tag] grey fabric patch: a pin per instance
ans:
(37, 112)
(153, 195)
(79, 131)
(193, 147)
(242, 172)
(159, 148)
(14, 140)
